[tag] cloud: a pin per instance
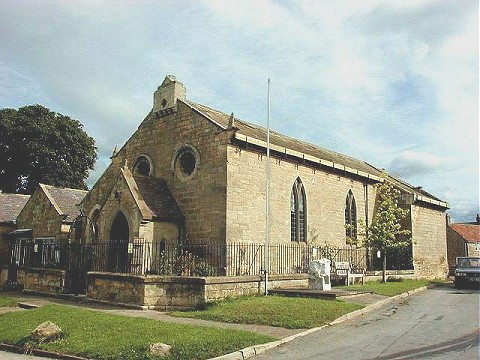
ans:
(373, 79)
(409, 164)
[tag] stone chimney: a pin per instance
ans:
(165, 98)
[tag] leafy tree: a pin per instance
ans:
(39, 145)
(386, 232)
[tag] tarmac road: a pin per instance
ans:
(440, 323)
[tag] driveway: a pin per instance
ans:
(442, 323)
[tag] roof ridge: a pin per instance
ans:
(46, 191)
(64, 188)
(306, 147)
(275, 132)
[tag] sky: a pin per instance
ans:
(394, 83)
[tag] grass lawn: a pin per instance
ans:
(103, 336)
(390, 288)
(287, 312)
(7, 301)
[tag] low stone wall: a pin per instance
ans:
(176, 292)
(49, 281)
(3, 274)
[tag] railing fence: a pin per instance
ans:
(160, 258)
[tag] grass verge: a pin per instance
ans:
(287, 312)
(7, 301)
(103, 336)
(390, 288)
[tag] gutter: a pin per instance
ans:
(303, 156)
(430, 201)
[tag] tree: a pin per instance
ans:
(39, 145)
(386, 231)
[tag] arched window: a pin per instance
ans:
(298, 213)
(350, 216)
(94, 220)
(142, 166)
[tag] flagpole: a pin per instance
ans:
(267, 197)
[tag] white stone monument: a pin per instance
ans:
(319, 275)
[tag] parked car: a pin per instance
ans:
(467, 272)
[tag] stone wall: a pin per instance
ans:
(3, 274)
(49, 281)
(473, 249)
(429, 241)
(126, 204)
(40, 215)
(175, 292)
(455, 248)
(4, 229)
(201, 197)
(326, 193)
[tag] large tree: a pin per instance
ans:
(39, 145)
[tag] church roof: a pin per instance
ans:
(290, 146)
(259, 132)
(158, 198)
(152, 196)
(11, 205)
(64, 200)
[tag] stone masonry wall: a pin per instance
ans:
(4, 230)
(473, 249)
(455, 248)
(326, 193)
(201, 197)
(175, 292)
(125, 204)
(40, 215)
(44, 280)
(429, 242)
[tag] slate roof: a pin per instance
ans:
(11, 205)
(470, 232)
(158, 198)
(64, 200)
(260, 133)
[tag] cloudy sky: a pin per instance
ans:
(394, 83)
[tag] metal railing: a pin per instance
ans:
(145, 257)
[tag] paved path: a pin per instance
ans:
(4, 355)
(277, 332)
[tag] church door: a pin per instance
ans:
(118, 250)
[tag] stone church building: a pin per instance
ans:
(194, 174)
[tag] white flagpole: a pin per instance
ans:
(267, 197)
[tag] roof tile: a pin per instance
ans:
(66, 199)
(11, 205)
(470, 232)
(158, 198)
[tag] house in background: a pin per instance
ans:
(463, 239)
(49, 212)
(10, 207)
(194, 174)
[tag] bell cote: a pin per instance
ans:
(165, 97)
